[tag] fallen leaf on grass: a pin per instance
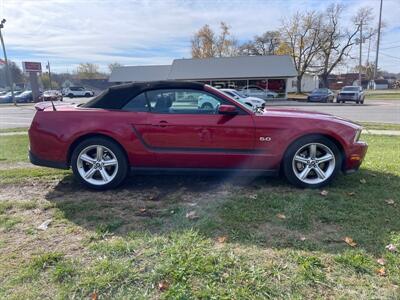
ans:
(222, 239)
(142, 210)
(391, 248)
(381, 271)
(324, 193)
(163, 286)
(381, 261)
(349, 241)
(44, 225)
(281, 216)
(93, 296)
(253, 197)
(191, 215)
(389, 201)
(363, 181)
(303, 238)
(351, 193)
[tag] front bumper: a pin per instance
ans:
(354, 157)
(347, 98)
(46, 163)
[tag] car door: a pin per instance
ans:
(184, 135)
(81, 92)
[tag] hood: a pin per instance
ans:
(304, 114)
(348, 92)
(254, 98)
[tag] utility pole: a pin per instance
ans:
(360, 61)
(377, 42)
(48, 67)
(6, 61)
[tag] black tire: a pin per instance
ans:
(123, 164)
(298, 144)
(87, 95)
(71, 95)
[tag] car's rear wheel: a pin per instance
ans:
(71, 95)
(87, 95)
(99, 163)
(312, 162)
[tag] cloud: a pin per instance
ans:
(144, 32)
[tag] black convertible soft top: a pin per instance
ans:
(117, 96)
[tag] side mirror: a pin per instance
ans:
(226, 109)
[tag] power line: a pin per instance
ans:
(390, 47)
(388, 55)
(393, 42)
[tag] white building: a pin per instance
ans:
(270, 72)
(309, 83)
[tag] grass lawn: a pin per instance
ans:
(380, 126)
(190, 237)
(383, 94)
(18, 129)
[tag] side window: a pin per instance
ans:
(183, 101)
(138, 103)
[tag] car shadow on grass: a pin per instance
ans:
(266, 212)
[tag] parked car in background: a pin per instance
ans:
(321, 95)
(77, 91)
(142, 127)
(24, 97)
(7, 98)
(51, 95)
(351, 93)
(256, 91)
(253, 102)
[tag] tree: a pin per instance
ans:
(368, 70)
(266, 44)
(335, 41)
(17, 75)
(88, 71)
(45, 79)
(301, 33)
(206, 44)
(113, 65)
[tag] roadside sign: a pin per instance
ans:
(30, 66)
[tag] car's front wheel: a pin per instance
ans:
(312, 162)
(99, 163)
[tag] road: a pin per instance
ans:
(382, 111)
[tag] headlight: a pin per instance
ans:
(357, 136)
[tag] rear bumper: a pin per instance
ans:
(354, 157)
(47, 163)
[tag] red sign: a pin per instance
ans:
(30, 66)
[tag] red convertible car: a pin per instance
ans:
(159, 126)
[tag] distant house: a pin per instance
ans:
(336, 82)
(272, 72)
(309, 83)
(380, 84)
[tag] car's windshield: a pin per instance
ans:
(320, 91)
(350, 88)
(238, 94)
(25, 93)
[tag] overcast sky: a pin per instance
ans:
(155, 32)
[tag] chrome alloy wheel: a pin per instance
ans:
(313, 163)
(97, 165)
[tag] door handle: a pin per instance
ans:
(161, 124)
